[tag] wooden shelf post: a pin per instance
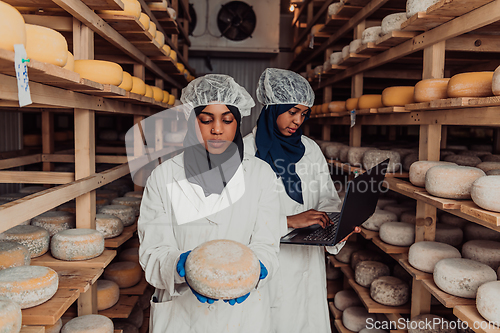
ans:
(47, 137)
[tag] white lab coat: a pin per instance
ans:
(165, 233)
(300, 303)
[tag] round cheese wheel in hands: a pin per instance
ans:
(222, 269)
(452, 182)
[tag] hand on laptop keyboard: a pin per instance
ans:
(308, 218)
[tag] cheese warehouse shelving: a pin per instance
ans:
(55, 90)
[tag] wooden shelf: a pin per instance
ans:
(470, 315)
(374, 307)
(366, 111)
(122, 309)
(49, 312)
(392, 109)
(455, 103)
(371, 49)
(354, 58)
(92, 4)
(348, 272)
(446, 299)
(77, 278)
(138, 289)
(340, 327)
(368, 234)
(336, 313)
(117, 241)
(388, 248)
(334, 22)
(395, 38)
(32, 329)
(337, 263)
(469, 208)
(423, 22)
(417, 274)
(100, 262)
(333, 287)
(332, 70)
(455, 7)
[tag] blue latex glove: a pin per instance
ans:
(239, 300)
(263, 271)
(182, 273)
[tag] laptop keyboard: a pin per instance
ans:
(327, 234)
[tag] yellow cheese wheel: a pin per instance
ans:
(70, 64)
(28, 286)
(160, 38)
(152, 29)
(77, 244)
(56, 328)
(131, 254)
(126, 82)
(173, 55)
(105, 72)
(108, 294)
(430, 90)
(149, 91)
(166, 95)
(158, 5)
(351, 104)
(336, 106)
(474, 84)
(130, 8)
(12, 29)
(55, 221)
(46, 45)
(10, 316)
(13, 254)
(166, 49)
(370, 102)
(144, 19)
(180, 66)
(157, 93)
(171, 100)
(397, 96)
(89, 324)
(31, 140)
(125, 273)
(36, 239)
(324, 108)
(138, 86)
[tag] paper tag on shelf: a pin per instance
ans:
(353, 117)
(311, 42)
(20, 59)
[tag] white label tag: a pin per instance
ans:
(311, 42)
(353, 117)
(20, 59)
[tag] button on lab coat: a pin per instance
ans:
(300, 302)
(176, 217)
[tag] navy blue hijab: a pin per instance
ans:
(279, 151)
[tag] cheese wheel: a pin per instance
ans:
(180, 66)
(149, 91)
(415, 6)
(367, 271)
(127, 82)
(345, 299)
(134, 194)
(493, 172)
(429, 323)
(364, 255)
(70, 63)
(345, 253)
(453, 220)
(110, 226)
(487, 298)
(28, 286)
(403, 152)
(485, 191)
(484, 251)
(171, 100)
(89, 323)
(397, 233)
(463, 160)
(108, 194)
(373, 157)
(152, 29)
(135, 203)
(491, 158)
(355, 155)
(157, 93)
(390, 291)
(461, 277)
(419, 169)
(158, 6)
(46, 45)
(336, 58)
(351, 104)
(370, 35)
(12, 27)
(334, 8)
(495, 84)
(10, 314)
(13, 254)
(370, 102)
(160, 38)
(452, 182)
(126, 214)
(356, 317)
(144, 19)
(475, 84)
(345, 52)
(172, 13)
(77, 244)
(479, 154)
(131, 254)
(222, 269)
(425, 255)
(56, 328)
(125, 273)
(166, 49)
(36, 239)
(316, 28)
(392, 22)
(382, 202)
(125, 327)
(475, 231)
(138, 86)
(173, 55)
(354, 45)
(105, 72)
(378, 218)
(332, 151)
(336, 106)
(108, 294)
(448, 234)
(431, 89)
(54, 222)
(166, 95)
(398, 96)
(130, 8)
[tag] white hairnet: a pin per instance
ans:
(216, 89)
(280, 86)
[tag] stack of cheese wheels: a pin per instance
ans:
(487, 298)
(145, 20)
(345, 253)
(108, 294)
(392, 22)
(419, 169)
(124, 273)
(56, 328)
(426, 323)
(463, 160)
(28, 286)
(425, 255)
(131, 254)
(450, 181)
(77, 244)
(135, 203)
(485, 191)
(355, 155)
(373, 157)
(370, 35)
(355, 318)
(475, 84)
(461, 277)
(370, 102)
(390, 291)
(109, 225)
(46, 45)
(54, 222)
(13, 254)
(398, 96)
(127, 82)
(397, 233)
(415, 6)
(364, 255)
(10, 316)
(126, 214)
(157, 94)
(367, 271)
(89, 323)
(431, 89)
(173, 55)
(345, 52)
(332, 150)
(171, 100)
(449, 234)
(130, 8)
(484, 251)
(222, 269)
(108, 194)
(475, 231)
(12, 27)
(351, 104)
(36, 239)
(378, 218)
(105, 72)
(345, 299)
(138, 86)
